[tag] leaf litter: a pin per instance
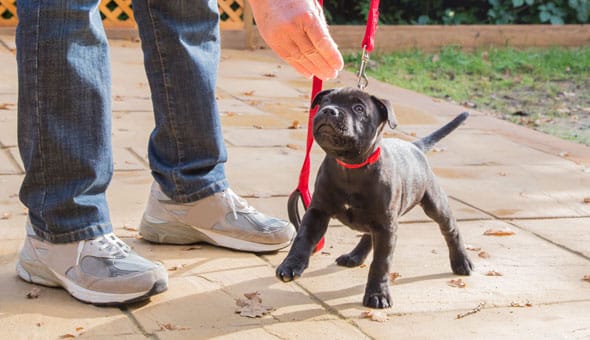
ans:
(477, 309)
(499, 232)
(458, 283)
(374, 315)
(171, 327)
(33, 293)
(252, 306)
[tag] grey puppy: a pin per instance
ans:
(367, 183)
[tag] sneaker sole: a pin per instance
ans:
(52, 279)
(179, 233)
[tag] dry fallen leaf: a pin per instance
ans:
(5, 106)
(457, 283)
(499, 232)
(473, 311)
(586, 200)
(6, 216)
(493, 273)
(472, 248)
(67, 336)
(176, 267)
(259, 127)
(33, 293)
(170, 327)
(362, 265)
(295, 125)
(521, 304)
(270, 75)
(249, 93)
(374, 315)
(483, 255)
(252, 306)
(586, 278)
(393, 276)
(128, 228)
(294, 146)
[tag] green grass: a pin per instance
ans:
(500, 80)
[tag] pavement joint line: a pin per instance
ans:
(509, 221)
(579, 253)
(13, 161)
(125, 310)
(138, 157)
(329, 309)
(5, 45)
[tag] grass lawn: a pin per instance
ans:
(546, 89)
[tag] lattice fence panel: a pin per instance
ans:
(7, 13)
(118, 13)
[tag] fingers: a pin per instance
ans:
(319, 36)
(299, 36)
(308, 45)
(285, 51)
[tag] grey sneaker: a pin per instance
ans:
(102, 271)
(223, 219)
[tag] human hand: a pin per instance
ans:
(297, 31)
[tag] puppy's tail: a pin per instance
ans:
(428, 142)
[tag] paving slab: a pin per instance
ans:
(525, 191)
(561, 321)
(571, 233)
(533, 270)
(498, 175)
(8, 124)
(54, 314)
(205, 282)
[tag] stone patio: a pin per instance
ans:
(498, 175)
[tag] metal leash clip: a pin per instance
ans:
(363, 81)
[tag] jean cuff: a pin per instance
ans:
(207, 191)
(87, 233)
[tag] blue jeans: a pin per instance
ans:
(64, 109)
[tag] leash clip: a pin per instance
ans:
(363, 81)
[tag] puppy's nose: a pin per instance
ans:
(330, 111)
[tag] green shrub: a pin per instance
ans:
(555, 12)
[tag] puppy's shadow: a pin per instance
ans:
(359, 289)
(406, 280)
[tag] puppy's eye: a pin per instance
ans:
(358, 108)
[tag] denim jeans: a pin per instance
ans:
(64, 109)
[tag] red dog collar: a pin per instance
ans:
(372, 159)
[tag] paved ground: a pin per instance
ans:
(498, 176)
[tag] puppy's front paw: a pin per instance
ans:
(377, 299)
(350, 260)
(290, 269)
(461, 265)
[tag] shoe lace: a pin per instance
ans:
(112, 245)
(237, 203)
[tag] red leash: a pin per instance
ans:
(302, 190)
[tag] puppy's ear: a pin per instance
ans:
(318, 98)
(385, 108)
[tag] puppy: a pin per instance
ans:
(367, 183)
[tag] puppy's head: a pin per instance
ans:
(349, 122)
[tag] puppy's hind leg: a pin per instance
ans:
(358, 255)
(436, 205)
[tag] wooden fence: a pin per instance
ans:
(118, 13)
